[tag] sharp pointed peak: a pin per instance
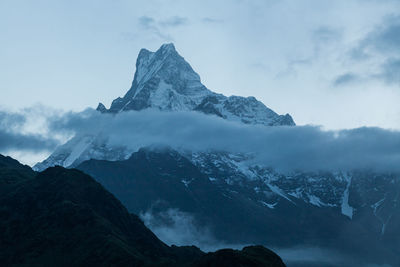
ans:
(164, 50)
(101, 108)
(167, 47)
(144, 51)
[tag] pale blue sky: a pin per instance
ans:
(330, 63)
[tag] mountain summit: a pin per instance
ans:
(354, 213)
(164, 80)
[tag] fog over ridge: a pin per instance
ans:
(307, 148)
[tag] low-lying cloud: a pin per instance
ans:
(29, 142)
(175, 227)
(14, 137)
(307, 148)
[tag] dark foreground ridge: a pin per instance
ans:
(62, 217)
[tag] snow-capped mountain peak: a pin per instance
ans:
(165, 80)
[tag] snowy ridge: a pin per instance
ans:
(317, 189)
(338, 191)
(81, 148)
(165, 81)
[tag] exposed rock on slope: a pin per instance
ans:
(164, 81)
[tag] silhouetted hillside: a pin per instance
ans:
(63, 217)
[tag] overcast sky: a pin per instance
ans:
(330, 63)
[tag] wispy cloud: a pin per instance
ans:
(346, 79)
(175, 227)
(385, 38)
(326, 34)
(382, 45)
(160, 27)
(391, 71)
(211, 20)
(174, 21)
(149, 24)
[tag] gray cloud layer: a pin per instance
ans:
(306, 148)
(13, 138)
(287, 148)
(14, 141)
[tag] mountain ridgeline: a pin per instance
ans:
(165, 81)
(307, 210)
(354, 214)
(62, 217)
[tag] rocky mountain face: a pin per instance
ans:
(164, 80)
(62, 217)
(340, 211)
(356, 213)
